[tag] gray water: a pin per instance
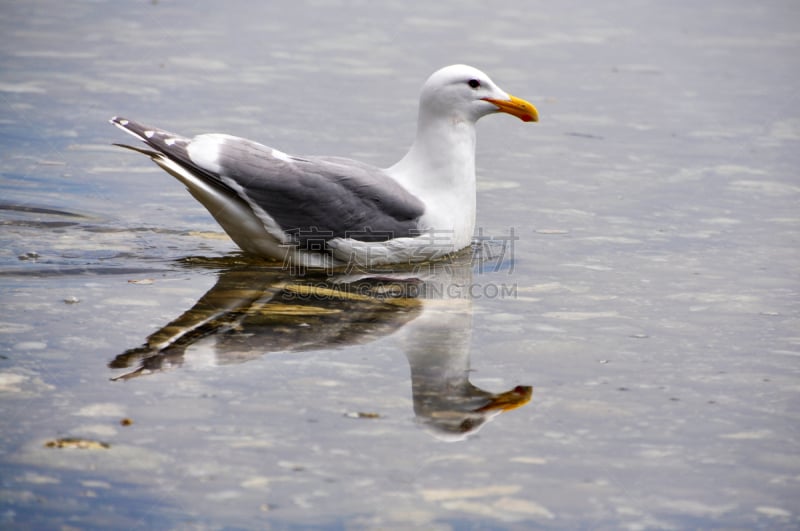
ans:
(638, 268)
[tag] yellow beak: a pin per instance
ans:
(517, 107)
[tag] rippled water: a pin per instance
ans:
(637, 268)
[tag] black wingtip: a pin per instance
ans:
(131, 127)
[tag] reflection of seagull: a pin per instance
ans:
(252, 311)
(331, 211)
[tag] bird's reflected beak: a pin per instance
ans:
(518, 107)
(517, 397)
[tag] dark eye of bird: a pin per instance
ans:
(474, 83)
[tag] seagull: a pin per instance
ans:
(325, 212)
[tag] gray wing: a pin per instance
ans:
(314, 198)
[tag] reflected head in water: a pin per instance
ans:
(457, 412)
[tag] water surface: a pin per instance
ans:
(641, 274)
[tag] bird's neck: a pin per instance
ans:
(442, 155)
(440, 169)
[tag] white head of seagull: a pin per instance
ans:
(440, 166)
(331, 211)
(461, 92)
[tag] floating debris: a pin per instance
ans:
(30, 255)
(77, 442)
(126, 422)
(143, 281)
(72, 300)
(362, 415)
